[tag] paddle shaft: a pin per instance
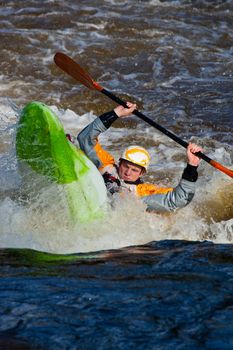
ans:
(72, 68)
(154, 124)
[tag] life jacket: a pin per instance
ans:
(114, 184)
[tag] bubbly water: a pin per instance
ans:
(172, 287)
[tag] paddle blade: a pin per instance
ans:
(75, 71)
(222, 168)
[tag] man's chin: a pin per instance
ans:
(126, 179)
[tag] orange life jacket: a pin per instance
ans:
(140, 190)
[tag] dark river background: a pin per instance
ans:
(136, 280)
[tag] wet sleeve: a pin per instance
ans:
(88, 137)
(190, 173)
(108, 118)
(179, 197)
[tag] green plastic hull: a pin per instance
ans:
(41, 143)
(30, 257)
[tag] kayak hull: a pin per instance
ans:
(42, 144)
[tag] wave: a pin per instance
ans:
(33, 213)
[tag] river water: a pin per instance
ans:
(138, 280)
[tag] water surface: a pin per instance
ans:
(150, 281)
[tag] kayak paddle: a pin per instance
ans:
(72, 68)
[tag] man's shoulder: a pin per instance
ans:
(147, 189)
(109, 168)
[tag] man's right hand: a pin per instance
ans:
(122, 112)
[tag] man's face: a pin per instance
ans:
(128, 171)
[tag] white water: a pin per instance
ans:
(40, 221)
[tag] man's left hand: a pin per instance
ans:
(191, 149)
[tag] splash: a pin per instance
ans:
(33, 212)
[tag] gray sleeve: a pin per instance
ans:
(179, 197)
(87, 139)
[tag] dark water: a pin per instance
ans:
(167, 295)
(174, 58)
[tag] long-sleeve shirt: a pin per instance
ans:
(156, 198)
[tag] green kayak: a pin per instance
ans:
(42, 144)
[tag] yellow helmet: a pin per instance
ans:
(137, 155)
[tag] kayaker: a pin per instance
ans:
(126, 176)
